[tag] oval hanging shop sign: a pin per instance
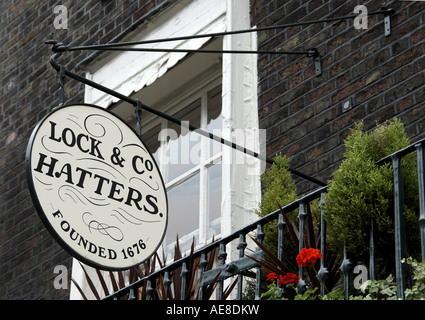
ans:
(96, 187)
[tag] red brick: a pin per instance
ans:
(372, 90)
(404, 88)
(347, 91)
(401, 60)
(350, 61)
(348, 119)
(295, 80)
(320, 92)
(322, 148)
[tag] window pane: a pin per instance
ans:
(214, 119)
(214, 199)
(184, 147)
(183, 212)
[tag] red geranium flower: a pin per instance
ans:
(272, 276)
(286, 279)
(289, 278)
(308, 255)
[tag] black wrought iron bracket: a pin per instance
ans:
(141, 106)
(59, 48)
(387, 20)
(314, 54)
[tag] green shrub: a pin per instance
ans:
(361, 191)
(278, 187)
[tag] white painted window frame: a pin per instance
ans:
(198, 92)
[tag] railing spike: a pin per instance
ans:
(346, 268)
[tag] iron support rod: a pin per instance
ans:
(385, 11)
(309, 53)
(202, 132)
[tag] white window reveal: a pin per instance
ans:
(212, 189)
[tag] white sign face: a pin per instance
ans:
(96, 187)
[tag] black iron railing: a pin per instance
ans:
(227, 269)
(242, 266)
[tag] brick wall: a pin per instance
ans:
(29, 89)
(381, 77)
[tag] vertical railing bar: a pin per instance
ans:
(149, 289)
(323, 271)
(167, 283)
(259, 237)
(183, 275)
(421, 188)
(345, 268)
(280, 236)
(421, 185)
(241, 247)
(301, 217)
(131, 294)
(222, 257)
(398, 226)
(281, 224)
(372, 271)
(202, 265)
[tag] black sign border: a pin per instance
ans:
(43, 215)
